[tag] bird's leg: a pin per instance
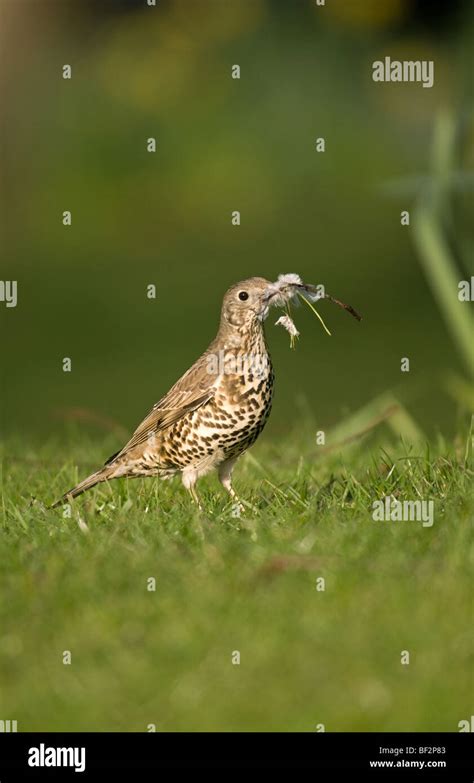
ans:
(225, 472)
(189, 479)
(192, 491)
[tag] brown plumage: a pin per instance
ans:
(214, 412)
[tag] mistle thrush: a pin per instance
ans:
(215, 411)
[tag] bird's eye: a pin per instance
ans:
(243, 295)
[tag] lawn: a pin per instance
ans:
(309, 657)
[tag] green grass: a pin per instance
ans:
(308, 657)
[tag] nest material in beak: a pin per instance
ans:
(284, 290)
(288, 324)
(290, 289)
(287, 288)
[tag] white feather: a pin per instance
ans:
(288, 324)
(283, 291)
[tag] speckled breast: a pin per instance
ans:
(229, 423)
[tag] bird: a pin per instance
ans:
(214, 412)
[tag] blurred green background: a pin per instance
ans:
(140, 218)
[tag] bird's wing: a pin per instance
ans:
(196, 387)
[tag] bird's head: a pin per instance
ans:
(245, 302)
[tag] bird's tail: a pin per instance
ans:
(95, 478)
